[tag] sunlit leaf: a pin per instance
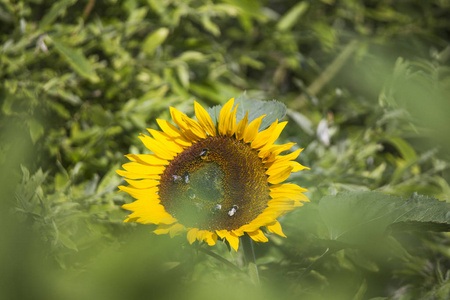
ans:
(292, 16)
(76, 60)
(154, 40)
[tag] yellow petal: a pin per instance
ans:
(290, 156)
(192, 235)
(287, 188)
(269, 153)
(295, 197)
(148, 213)
(174, 133)
(268, 136)
(195, 127)
(240, 129)
(281, 207)
(221, 233)
(261, 220)
(138, 168)
(224, 116)
(142, 184)
(280, 176)
(299, 167)
(149, 159)
(258, 236)
(142, 194)
(210, 238)
(204, 119)
(277, 167)
(162, 229)
(131, 175)
(252, 130)
(263, 137)
(252, 226)
(156, 147)
(233, 240)
(176, 229)
(165, 140)
(168, 128)
(275, 227)
(179, 119)
(230, 123)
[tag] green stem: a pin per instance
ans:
(327, 253)
(250, 259)
(219, 258)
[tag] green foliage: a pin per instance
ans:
(366, 85)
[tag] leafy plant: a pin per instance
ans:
(366, 87)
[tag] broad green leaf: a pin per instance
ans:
(76, 60)
(423, 213)
(292, 16)
(362, 217)
(154, 40)
(58, 8)
(273, 110)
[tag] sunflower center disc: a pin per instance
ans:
(217, 183)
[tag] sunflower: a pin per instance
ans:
(212, 181)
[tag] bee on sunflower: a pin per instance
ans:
(213, 181)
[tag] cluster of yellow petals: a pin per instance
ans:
(144, 171)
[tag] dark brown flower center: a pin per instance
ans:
(217, 183)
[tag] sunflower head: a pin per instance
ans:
(213, 180)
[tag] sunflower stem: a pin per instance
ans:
(319, 259)
(250, 259)
(219, 258)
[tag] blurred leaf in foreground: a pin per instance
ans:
(358, 218)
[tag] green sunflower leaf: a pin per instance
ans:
(361, 217)
(274, 110)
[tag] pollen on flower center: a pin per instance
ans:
(215, 184)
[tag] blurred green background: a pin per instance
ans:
(367, 87)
